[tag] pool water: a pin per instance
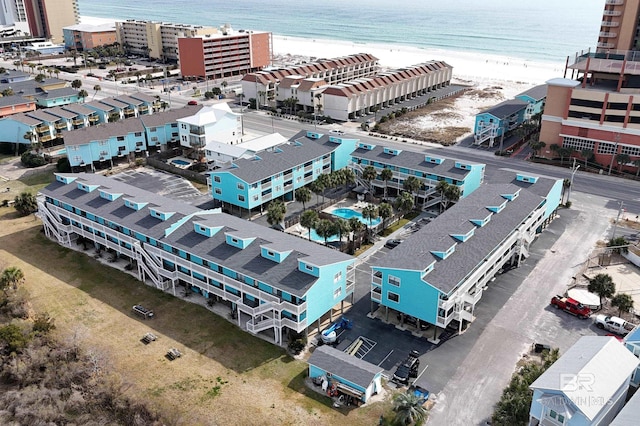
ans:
(349, 213)
(318, 238)
(181, 162)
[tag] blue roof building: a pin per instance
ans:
(275, 282)
(632, 342)
(439, 273)
(428, 168)
(251, 182)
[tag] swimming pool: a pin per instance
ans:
(349, 213)
(180, 162)
(319, 239)
(62, 151)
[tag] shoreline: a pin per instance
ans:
(467, 66)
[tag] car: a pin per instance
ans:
(391, 244)
(407, 369)
(613, 324)
(336, 132)
(192, 103)
(142, 311)
(571, 306)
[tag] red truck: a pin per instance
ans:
(571, 305)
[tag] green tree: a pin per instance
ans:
(386, 175)
(276, 212)
(303, 195)
(82, 94)
(39, 78)
(404, 203)
(602, 285)
(370, 213)
(621, 160)
(618, 242)
(452, 195)
(10, 278)
(408, 408)
(337, 178)
(623, 302)
(342, 227)
(587, 154)
(324, 181)
(76, 84)
(412, 184)
(349, 177)
(385, 211)
(317, 188)
(308, 219)
(325, 229)
(368, 174)
(25, 203)
(12, 339)
(356, 227)
(96, 89)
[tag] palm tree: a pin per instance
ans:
(622, 159)
(368, 174)
(564, 152)
(386, 175)
(39, 78)
(96, 89)
(602, 285)
(276, 212)
(349, 177)
(29, 136)
(623, 302)
(56, 71)
(317, 188)
(356, 227)
(303, 195)
(82, 94)
(411, 185)
(10, 278)
(404, 203)
(308, 219)
(451, 195)
(325, 229)
(385, 211)
(76, 84)
(25, 203)
(369, 213)
(324, 181)
(342, 227)
(408, 408)
(587, 154)
(337, 178)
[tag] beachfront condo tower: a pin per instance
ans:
(47, 17)
(619, 27)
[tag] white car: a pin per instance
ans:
(336, 132)
(613, 324)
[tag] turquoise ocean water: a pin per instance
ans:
(541, 30)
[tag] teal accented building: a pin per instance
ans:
(274, 283)
(249, 183)
(632, 342)
(428, 168)
(57, 97)
(439, 273)
(496, 122)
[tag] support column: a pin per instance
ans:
(342, 306)
(386, 313)
(331, 314)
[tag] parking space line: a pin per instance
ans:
(385, 358)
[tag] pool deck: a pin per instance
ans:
(180, 166)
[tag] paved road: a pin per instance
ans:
(469, 396)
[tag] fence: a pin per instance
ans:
(159, 164)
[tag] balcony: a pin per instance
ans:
(604, 45)
(46, 138)
(61, 126)
(78, 122)
(93, 118)
(42, 129)
(129, 111)
(610, 24)
(143, 109)
(612, 13)
(614, 2)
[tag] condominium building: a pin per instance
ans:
(249, 183)
(225, 54)
(439, 273)
(273, 283)
(429, 169)
(85, 37)
(47, 18)
(158, 40)
(619, 29)
(213, 123)
(265, 85)
(14, 14)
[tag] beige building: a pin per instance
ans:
(619, 27)
(47, 18)
(160, 38)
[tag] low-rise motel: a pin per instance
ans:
(439, 273)
(274, 282)
(429, 169)
(249, 183)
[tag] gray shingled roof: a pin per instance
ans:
(57, 93)
(292, 154)
(341, 364)
(143, 97)
(99, 106)
(61, 112)
(630, 413)
(169, 116)
(114, 103)
(103, 131)
(415, 252)
(78, 109)
(12, 74)
(284, 275)
(415, 161)
(506, 108)
(128, 100)
(29, 87)
(43, 115)
(542, 186)
(13, 100)
(25, 119)
(538, 92)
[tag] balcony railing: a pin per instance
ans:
(610, 24)
(607, 34)
(61, 125)
(603, 45)
(614, 2)
(612, 13)
(93, 118)
(77, 121)
(42, 129)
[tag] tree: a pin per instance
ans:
(317, 188)
(385, 211)
(356, 227)
(349, 177)
(587, 154)
(452, 194)
(276, 212)
(10, 278)
(76, 84)
(621, 160)
(619, 243)
(341, 227)
(29, 136)
(308, 219)
(564, 152)
(25, 203)
(623, 302)
(386, 175)
(96, 89)
(82, 94)
(8, 92)
(325, 229)
(369, 213)
(411, 185)
(368, 174)
(324, 180)
(56, 71)
(602, 285)
(39, 78)
(566, 184)
(337, 178)
(404, 203)
(408, 408)
(303, 195)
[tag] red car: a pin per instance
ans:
(571, 306)
(192, 103)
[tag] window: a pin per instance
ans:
(394, 297)
(394, 281)
(234, 240)
(271, 254)
(103, 143)
(216, 179)
(606, 148)
(337, 277)
(120, 138)
(556, 416)
(241, 198)
(255, 198)
(337, 292)
(217, 191)
(241, 186)
(139, 143)
(122, 148)
(308, 267)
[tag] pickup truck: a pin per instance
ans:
(571, 305)
(613, 324)
(408, 369)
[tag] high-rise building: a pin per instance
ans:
(156, 39)
(46, 18)
(13, 14)
(619, 27)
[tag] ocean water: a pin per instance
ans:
(541, 30)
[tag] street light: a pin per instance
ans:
(574, 169)
(615, 151)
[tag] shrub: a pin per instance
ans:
(63, 165)
(30, 160)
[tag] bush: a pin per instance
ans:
(63, 165)
(30, 160)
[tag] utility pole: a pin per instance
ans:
(615, 151)
(615, 225)
(574, 169)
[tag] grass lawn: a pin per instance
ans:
(225, 376)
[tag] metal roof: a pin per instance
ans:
(605, 363)
(248, 261)
(56, 93)
(78, 109)
(506, 108)
(102, 131)
(341, 364)
(630, 413)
